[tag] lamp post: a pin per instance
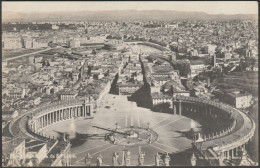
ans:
(123, 158)
(116, 126)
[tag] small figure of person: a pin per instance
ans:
(141, 158)
(115, 140)
(150, 138)
(35, 161)
(157, 159)
(115, 160)
(88, 160)
(127, 158)
(167, 160)
(220, 160)
(99, 160)
(193, 160)
(112, 137)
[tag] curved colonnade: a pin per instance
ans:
(48, 114)
(209, 109)
(226, 142)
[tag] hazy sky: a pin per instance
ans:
(217, 7)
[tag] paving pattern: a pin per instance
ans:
(117, 110)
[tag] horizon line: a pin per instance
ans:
(128, 10)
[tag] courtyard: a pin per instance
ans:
(114, 112)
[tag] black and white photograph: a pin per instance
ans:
(129, 83)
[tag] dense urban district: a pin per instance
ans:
(153, 92)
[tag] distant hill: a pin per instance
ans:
(117, 15)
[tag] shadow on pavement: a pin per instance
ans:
(82, 138)
(142, 97)
(113, 89)
(187, 134)
(184, 158)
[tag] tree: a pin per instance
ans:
(109, 37)
(184, 68)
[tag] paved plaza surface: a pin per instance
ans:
(117, 110)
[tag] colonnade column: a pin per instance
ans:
(180, 108)
(86, 110)
(55, 116)
(42, 121)
(35, 125)
(83, 110)
(61, 115)
(58, 116)
(38, 123)
(90, 110)
(226, 154)
(52, 115)
(232, 153)
(48, 119)
(64, 114)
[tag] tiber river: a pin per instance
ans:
(144, 49)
